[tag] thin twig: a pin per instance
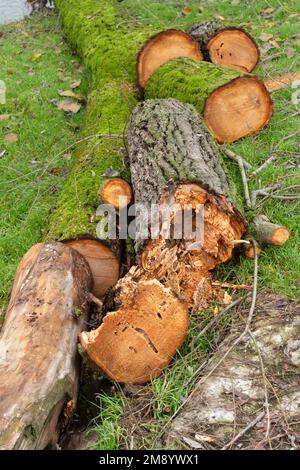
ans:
(245, 182)
(251, 425)
(263, 372)
(229, 285)
(243, 164)
(264, 165)
(95, 300)
(216, 319)
(233, 156)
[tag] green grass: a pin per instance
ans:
(33, 169)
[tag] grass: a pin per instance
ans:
(32, 169)
(44, 132)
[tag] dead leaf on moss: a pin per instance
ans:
(71, 94)
(10, 138)
(219, 17)
(4, 117)
(75, 84)
(68, 106)
(186, 11)
(35, 56)
(290, 52)
(265, 37)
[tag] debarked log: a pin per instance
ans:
(181, 166)
(39, 364)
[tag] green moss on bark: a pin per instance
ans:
(188, 81)
(109, 54)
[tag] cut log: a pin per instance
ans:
(231, 47)
(233, 106)
(116, 192)
(239, 108)
(234, 48)
(163, 47)
(257, 381)
(104, 265)
(181, 165)
(39, 365)
(269, 233)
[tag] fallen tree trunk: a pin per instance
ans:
(231, 47)
(251, 399)
(39, 366)
(181, 166)
(232, 105)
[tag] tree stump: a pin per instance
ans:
(181, 165)
(39, 364)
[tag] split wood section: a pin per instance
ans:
(180, 166)
(39, 367)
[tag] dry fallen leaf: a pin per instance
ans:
(290, 52)
(220, 17)
(10, 138)
(274, 43)
(75, 84)
(35, 56)
(71, 94)
(265, 36)
(186, 11)
(68, 106)
(4, 117)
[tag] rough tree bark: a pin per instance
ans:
(39, 365)
(181, 165)
(256, 385)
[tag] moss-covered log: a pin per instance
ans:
(39, 367)
(109, 54)
(181, 167)
(233, 105)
